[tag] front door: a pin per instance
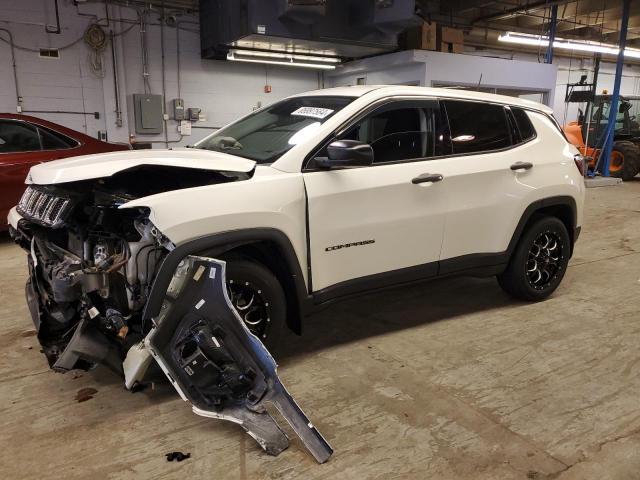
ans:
(368, 225)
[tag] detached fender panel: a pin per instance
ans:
(219, 243)
(216, 364)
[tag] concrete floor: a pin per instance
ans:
(440, 380)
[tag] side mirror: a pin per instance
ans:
(346, 153)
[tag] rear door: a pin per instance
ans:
(484, 188)
(374, 220)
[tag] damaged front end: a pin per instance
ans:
(89, 281)
(92, 263)
(218, 365)
(92, 271)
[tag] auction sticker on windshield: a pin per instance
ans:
(313, 112)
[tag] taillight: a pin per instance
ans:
(581, 163)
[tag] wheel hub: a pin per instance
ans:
(250, 304)
(544, 260)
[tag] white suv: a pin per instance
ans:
(316, 197)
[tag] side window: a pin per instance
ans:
(18, 136)
(525, 127)
(55, 141)
(477, 127)
(400, 131)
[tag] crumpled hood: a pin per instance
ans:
(102, 165)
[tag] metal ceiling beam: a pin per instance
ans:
(519, 11)
(463, 6)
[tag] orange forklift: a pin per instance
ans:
(587, 133)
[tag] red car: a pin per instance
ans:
(26, 141)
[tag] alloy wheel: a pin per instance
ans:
(253, 308)
(544, 260)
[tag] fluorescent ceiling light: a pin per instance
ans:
(285, 55)
(577, 45)
(283, 59)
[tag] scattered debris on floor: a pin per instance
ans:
(177, 456)
(85, 394)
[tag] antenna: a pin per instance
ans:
(479, 81)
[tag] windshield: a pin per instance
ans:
(266, 135)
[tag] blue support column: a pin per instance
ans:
(613, 112)
(548, 57)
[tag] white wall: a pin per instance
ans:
(227, 90)
(569, 71)
(223, 90)
(428, 68)
(499, 68)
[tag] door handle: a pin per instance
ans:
(521, 166)
(427, 178)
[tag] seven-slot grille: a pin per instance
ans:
(43, 207)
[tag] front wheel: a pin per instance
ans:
(539, 262)
(258, 297)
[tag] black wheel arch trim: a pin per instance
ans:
(539, 205)
(219, 243)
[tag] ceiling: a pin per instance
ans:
(484, 20)
(597, 20)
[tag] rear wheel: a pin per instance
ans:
(625, 160)
(539, 262)
(259, 299)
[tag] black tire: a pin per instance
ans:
(248, 279)
(520, 279)
(630, 160)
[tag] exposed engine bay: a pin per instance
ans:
(92, 262)
(92, 269)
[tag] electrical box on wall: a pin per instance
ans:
(194, 114)
(178, 109)
(185, 127)
(148, 113)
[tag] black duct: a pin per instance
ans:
(339, 28)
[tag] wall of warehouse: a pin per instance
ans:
(569, 70)
(499, 68)
(430, 68)
(223, 90)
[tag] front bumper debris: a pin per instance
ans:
(216, 364)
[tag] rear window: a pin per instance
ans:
(55, 141)
(525, 127)
(477, 127)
